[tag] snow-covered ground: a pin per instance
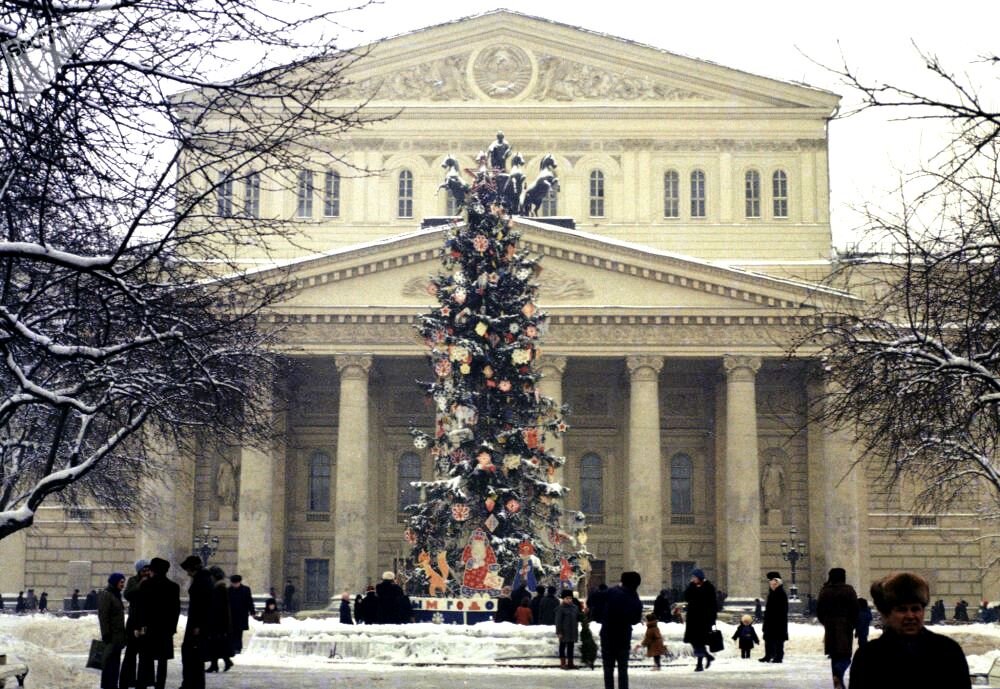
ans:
(54, 649)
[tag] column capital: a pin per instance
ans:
(643, 367)
(557, 363)
(738, 367)
(353, 365)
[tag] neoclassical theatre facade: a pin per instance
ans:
(685, 247)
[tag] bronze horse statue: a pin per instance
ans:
(453, 180)
(540, 188)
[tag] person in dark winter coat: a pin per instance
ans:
(701, 611)
(345, 608)
(20, 605)
(90, 602)
(43, 602)
(746, 636)
(837, 610)
(132, 638)
(596, 601)
(160, 609)
(961, 611)
(288, 598)
(907, 654)
(620, 611)
(661, 606)
(111, 616)
(566, 621)
(758, 610)
(388, 594)
(775, 620)
(938, 614)
(196, 632)
(74, 604)
(369, 607)
(241, 609)
(864, 622)
(270, 614)
(220, 623)
(536, 603)
(505, 606)
(547, 607)
(405, 608)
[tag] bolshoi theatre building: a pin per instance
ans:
(688, 243)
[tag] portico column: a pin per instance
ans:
(742, 489)
(552, 369)
(643, 540)
(255, 530)
(353, 509)
(837, 512)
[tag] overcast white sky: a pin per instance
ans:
(779, 39)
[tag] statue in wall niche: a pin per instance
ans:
(226, 488)
(772, 485)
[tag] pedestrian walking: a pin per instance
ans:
(620, 610)
(74, 604)
(21, 604)
(31, 601)
(837, 610)
(864, 622)
(130, 593)
(111, 617)
(288, 597)
(523, 613)
(907, 654)
(345, 608)
(745, 636)
(652, 641)
(701, 612)
(775, 620)
(43, 602)
(241, 609)
(197, 629)
(566, 621)
(160, 609)
(220, 623)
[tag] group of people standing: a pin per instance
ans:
(384, 603)
(218, 614)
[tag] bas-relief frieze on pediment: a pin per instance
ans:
(555, 284)
(505, 72)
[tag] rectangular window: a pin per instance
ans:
(597, 194)
(251, 199)
(331, 194)
(317, 582)
(671, 194)
(780, 194)
(405, 209)
(304, 195)
(680, 575)
(697, 194)
(224, 192)
(752, 194)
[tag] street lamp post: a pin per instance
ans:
(205, 544)
(793, 551)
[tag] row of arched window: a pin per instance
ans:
(592, 471)
(689, 200)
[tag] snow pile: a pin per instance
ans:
(38, 640)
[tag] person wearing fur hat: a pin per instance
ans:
(701, 610)
(111, 616)
(161, 607)
(837, 611)
(389, 595)
(775, 620)
(907, 654)
(621, 610)
(132, 639)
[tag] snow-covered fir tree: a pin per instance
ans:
(493, 514)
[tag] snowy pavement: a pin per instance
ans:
(323, 654)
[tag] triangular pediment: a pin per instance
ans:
(503, 57)
(582, 274)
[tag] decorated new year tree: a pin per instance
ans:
(493, 513)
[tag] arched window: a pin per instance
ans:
(591, 486)
(671, 194)
(331, 194)
(304, 195)
(596, 194)
(550, 204)
(251, 197)
(409, 471)
(405, 194)
(681, 486)
(752, 194)
(319, 482)
(224, 195)
(779, 193)
(697, 194)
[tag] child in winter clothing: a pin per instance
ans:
(523, 613)
(653, 641)
(746, 636)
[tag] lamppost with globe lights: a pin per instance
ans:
(205, 544)
(792, 551)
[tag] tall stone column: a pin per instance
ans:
(255, 530)
(644, 487)
(158, 535)
(836, 509)
(551, 385)
(353, 509)
(742, 489)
